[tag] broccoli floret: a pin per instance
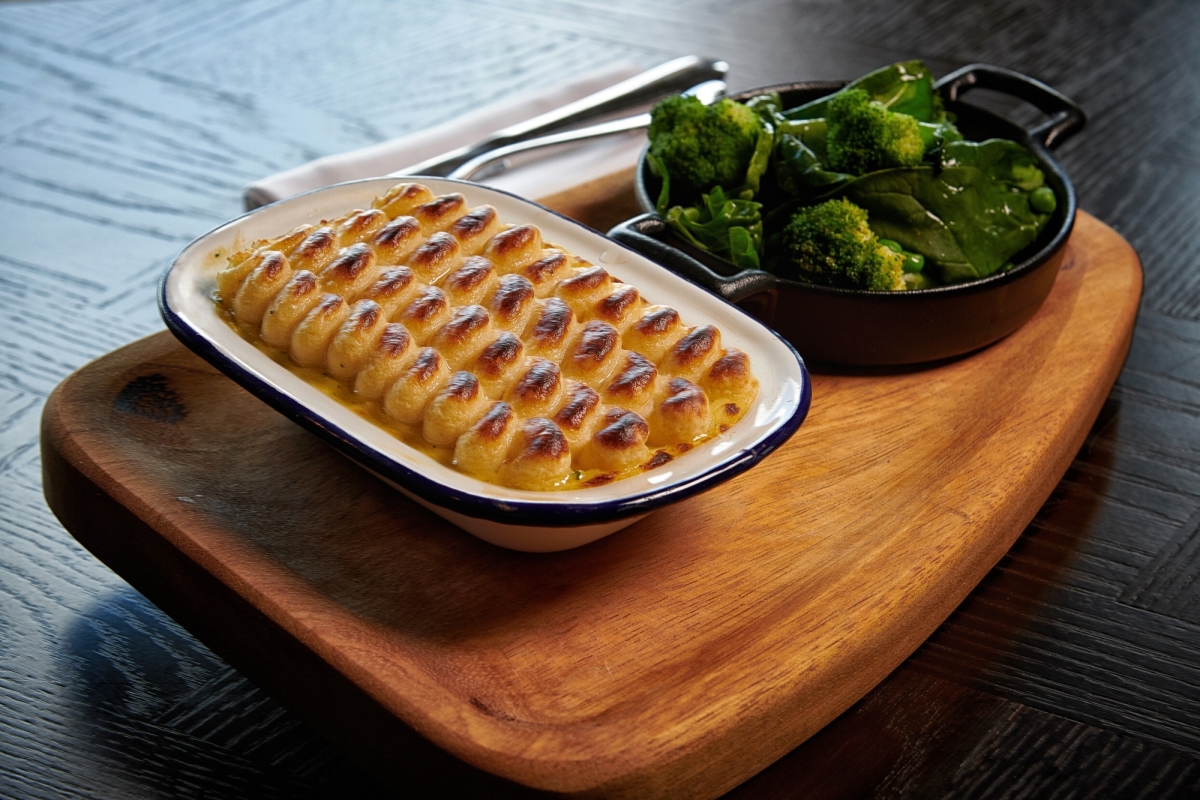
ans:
(830, 244)
(700, 146)
(864, 136)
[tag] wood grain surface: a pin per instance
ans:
(677, 658)
(128, 127)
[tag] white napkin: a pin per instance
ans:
(537, 175)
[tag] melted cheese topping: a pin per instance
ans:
(483, 346)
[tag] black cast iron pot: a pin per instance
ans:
(867, 328)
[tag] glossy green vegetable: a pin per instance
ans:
(968, 216)
(729, 227)
(1043, 200)
(804, 168)
(906, 88)
(913, 262)
(956, 210)
(703, 146)
(800, 170)
(864, 136)
(832, 245)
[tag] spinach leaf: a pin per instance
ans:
(731, 228)
(812, 132)
(800, 171)
(906, 88)
(743, 247)
(1004, 160)
(968, 217)
(938, 134)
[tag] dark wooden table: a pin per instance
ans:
(128, 127)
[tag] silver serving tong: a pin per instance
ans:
(500, 159)
(664, 79)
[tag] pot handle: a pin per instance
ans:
(644, 233)
(1066, 117)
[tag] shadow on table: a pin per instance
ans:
(150, 699)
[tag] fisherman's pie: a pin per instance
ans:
(482, 345)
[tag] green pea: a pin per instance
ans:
(894, 246)
(912, 281)
(1043, 200)
(914, 262)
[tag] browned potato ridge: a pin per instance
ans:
(515, 361)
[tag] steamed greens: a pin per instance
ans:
(968, 215)
(701, 152)
(954, 210)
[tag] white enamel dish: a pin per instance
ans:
(516, 519)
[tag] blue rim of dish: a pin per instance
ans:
(512, 512)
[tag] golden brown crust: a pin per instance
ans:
(619, 444)
(397, 240)
(316, 251)
(545, 273)
(230, 279)
(292, 239)
(633, 386)
(483, 448)
(361, 226)
(500, 363)
(441, 212)
(402, 199)
(514, 248)
(471, 282)
(495, 421)
(579, 415)
(582, 401)
(553, 331)
(595, 354)
(351, 272)
(538, 391)
(265, 281)
(439, 255)
(425, 314)
(619, 308)
(730, 385)
(694, 353)
(582, 290)
(540, 456)
(512, 303)
(310, 340)
(394, 289)
(393, 353)
(355, 340)
(453, 409)
(655, 332)
(406, 400)
(293, 302)
(475, 228)
(462, 338)
(682, 415)
(732, 367)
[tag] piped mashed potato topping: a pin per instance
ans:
(483, 346)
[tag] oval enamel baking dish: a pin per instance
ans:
(516, 519)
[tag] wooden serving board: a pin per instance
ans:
(675, 658)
